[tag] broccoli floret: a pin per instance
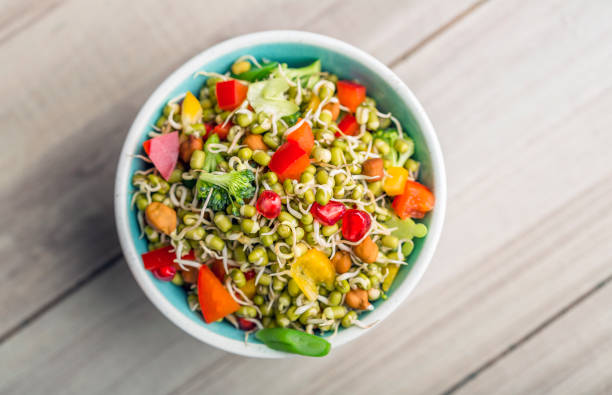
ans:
(400, 149)
(227, 188)
(211, 160)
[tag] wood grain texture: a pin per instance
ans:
(69, 110)
(572, 356)
(521, 99)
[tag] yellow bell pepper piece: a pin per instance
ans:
(395, 181)
(249, 288)
(311, 269)
(393, 269)
(191, 110)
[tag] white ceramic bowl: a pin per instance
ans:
(340, 58)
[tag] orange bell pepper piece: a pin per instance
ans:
(303, 137)
(415, 202)
(215, 300)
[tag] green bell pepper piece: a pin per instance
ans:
(293, 341)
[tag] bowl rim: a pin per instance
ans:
(186, 70)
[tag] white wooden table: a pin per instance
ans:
(518, 298)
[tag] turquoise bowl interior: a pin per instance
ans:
(295, 55)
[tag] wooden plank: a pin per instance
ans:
(84, 93)
(527, 231)
(572, 356)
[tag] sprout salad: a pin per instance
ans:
(281, 199)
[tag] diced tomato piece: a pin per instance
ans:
(303, 137)
(163, 151)
(245, 324)
(230, 94)
(215, 300)
(348, 125)
(289, 161)
(218, 269)
(415, 202)
(351, 94)
(161, 257)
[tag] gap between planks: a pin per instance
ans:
(111, 262)
(529, 335)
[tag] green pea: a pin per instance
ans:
(178, 279)
(267, 240)
(265, 279)
(334, 312)
(291, 314)
(271, 178)
(175, 176)
(412, 166)
(357, 193)
(322, 197)
(342, 286)
(382, 147)
(288, 186)
(271, 141)
(306, 178)
(196, 234)
(141, 203)
(245, 153)
(338, 192)
(283, 302)
(249, 226)
(336, 156)
(349, 319)
(215, 242)
(373, 122)
(258, 256)
(258, 300)
(246, 312)
(306, 219)
(292, 288)
(329, 230)
(282, 321)
(238, 277)
(390, 241)
(376, 188)
(322, 176)
(222, 222)
(321, 154)
(334, 298)
(309, 196)
(261, 158)
(286, 217)
(283, 231)
(152, 234)
(248, 211)
(277, 284)
(244, 119)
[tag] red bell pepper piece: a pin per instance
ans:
(230, 94)
(351, 94)
(215, 301)
(415, 202)
(303, 136)
(289, 161)
(161, 257)
(348, 125)
(221, 130)
(163, 151)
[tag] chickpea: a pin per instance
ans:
(357, 299)
(341, 261)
